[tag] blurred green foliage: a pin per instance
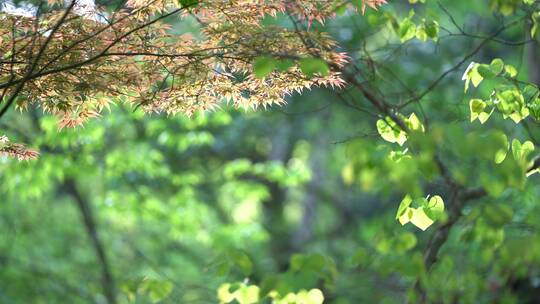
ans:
(298, 204)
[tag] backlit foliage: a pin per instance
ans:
(74, 70)
(74, 61)
(19, 151)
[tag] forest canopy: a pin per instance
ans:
(253, 151)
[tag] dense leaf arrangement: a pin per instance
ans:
(74, 62)
(16, 150)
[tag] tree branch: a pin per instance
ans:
(34, 63)
(103, 53)
(436, 82)
(459, 198)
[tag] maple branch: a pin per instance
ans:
(101, 54)
(12, 60)
(101, 30)
(378, 103)
(34, 63)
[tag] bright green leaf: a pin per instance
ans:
(312, 66)
(263, 66)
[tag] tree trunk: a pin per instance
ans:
(107, 281)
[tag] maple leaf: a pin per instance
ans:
(7, 148)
